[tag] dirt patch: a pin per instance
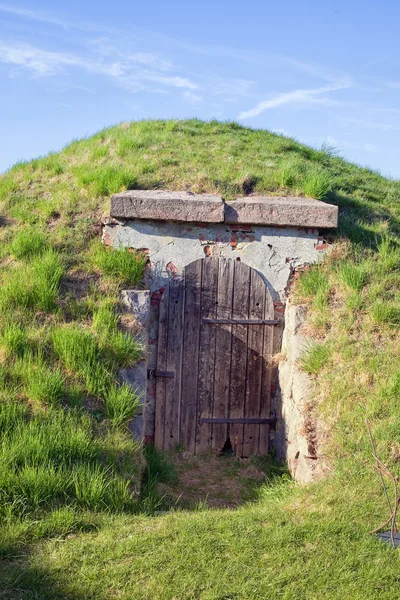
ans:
(77, 284)
(218, 481)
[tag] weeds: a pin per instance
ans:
(28, 243)
(123, 266)
(121, 404)
(315, 358)
(41, 383)
(35, 286)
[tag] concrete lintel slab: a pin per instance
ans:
(167, 206)
(289, 211)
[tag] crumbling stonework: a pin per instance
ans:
(299, 431)
(275, 252)
(137, 303)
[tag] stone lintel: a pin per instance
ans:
(279, 211)
(167, 206)
(289, 211)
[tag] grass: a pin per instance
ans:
(28, 242)
(71, 522)
(123, 265)
(314, 358)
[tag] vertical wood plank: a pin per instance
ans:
(190, 362)
(173, 363)
(161, 366)
(265, 398)
(209, 289)
(237, 393)
(255, 359)
(223, 343)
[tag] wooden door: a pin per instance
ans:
(213, 374)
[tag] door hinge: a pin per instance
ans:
(155, 373)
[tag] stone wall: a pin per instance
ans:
(299, 433)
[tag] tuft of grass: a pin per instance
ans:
(315, 358)
(317, 184)
(353, 275)
(28, 243)
(312, 283)
(122, 403)
(35, 286)
(79, 351)
(384, 312)
(105, 179)
(122, 348)
(42, 383)
(13, 340)
(389, 254)
(123, 266)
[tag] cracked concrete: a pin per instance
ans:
(269, 250)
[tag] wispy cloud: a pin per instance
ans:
(131, 76)
(34, 15)
(304, 96)
(394, 84)
(45, 63)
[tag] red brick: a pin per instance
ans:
(107, 239)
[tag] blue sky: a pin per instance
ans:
(318, 70)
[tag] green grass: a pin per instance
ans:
(314, 358)
(28, 242)
(69, 470)
(123, 266)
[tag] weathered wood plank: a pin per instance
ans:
(162, 366)
(255, 359)
(209, 289)
(242, 321)
(241, 289)
(265, 396)
(271, 421)
(172, 386)
(223, 343)
(190, 362)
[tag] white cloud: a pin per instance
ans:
(38, 61)
(394, 84)
(179, 82)
(34, 16)
(25, 13)
(45, 63)
(192, 98)
(306, 96)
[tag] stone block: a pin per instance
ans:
(167, 206)
(138, 303)
(289, 211)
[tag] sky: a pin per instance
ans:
(321, 71)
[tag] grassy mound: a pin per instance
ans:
(66, 459)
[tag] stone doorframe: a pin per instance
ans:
(277, 236)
